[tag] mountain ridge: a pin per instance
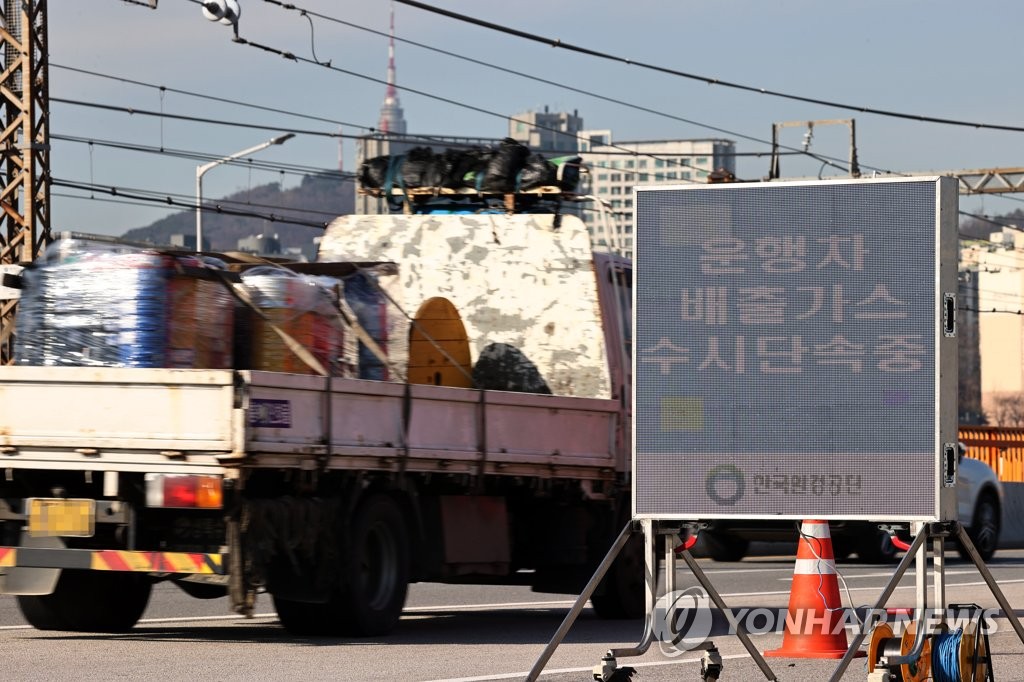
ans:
(319, 198)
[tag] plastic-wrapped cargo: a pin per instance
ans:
(90, 304)
(367, 300)
(209, 343)
(304, 307)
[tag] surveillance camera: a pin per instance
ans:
(214, 10)
(224, 11)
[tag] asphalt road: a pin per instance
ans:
(468, 634)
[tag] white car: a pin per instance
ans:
(979, 501)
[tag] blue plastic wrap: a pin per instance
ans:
(370, 306)
(84, 304)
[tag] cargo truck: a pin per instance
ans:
(482, 437)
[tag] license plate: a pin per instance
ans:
(49, 517)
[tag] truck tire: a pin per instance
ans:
(621, 592)
(984, 530)
(89, 601)
(307, 619)
(725, 547)
(374, 581)
(842, 548)
(876, 547)
(375, 573)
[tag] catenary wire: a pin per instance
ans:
(127, 202)
(558, 43)
(546, 81)
(169, 200)
(400, 137)
(189, 200)
(440, 98)
(197, 119)
(291, 169)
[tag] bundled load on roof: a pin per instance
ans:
(91, 304)
(105, 304)
(509, 168)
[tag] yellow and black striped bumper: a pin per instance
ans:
(113, 560)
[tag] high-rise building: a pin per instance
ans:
(992, 279)
(547, 132)
(391, 126)
(392, 118)
(616, 167)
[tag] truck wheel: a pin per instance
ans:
(306, 619)
(984, 530)
(876, 548)
(842, 548)
(374, 580)
(89, 601)
(725, 547)
(621, 593)
(375, 569)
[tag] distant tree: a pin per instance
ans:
(1008, 410)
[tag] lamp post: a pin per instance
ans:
(201, 171)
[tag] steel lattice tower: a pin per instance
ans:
(24, 145)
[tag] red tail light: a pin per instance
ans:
(184, 491)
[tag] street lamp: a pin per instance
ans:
(201, 171)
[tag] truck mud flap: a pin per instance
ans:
(113, 560)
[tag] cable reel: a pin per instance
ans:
(958, 656)
(885, 645)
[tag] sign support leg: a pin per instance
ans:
(993, 587)
(741, 632)
(581, 601)
(879, 604)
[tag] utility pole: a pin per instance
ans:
(853, 169)
(24, 146)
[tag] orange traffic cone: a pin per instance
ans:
(814, 621)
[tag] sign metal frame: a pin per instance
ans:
(938, 484)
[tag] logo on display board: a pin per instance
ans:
(725, 484)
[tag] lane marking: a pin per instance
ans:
(499, 605)
(888, 575)
(874, 588)
(511, 605)
(561, 671)
(181, 619)
(410, 609)
(729, 571)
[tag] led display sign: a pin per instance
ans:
(795, 349)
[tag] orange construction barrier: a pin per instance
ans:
(815, 627)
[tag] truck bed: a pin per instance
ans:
(169, 420)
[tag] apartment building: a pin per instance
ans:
(617, 166)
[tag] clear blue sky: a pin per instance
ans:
(943, 58)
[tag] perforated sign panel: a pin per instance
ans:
(788, 349)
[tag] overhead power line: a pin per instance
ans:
(211, 98)
(400, 137)
(285, 54)
(248, 162)
(555, 42)
(546, 81)
(795, 150)
(160, 202)
(170, 200)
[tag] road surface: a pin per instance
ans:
(466, 634)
